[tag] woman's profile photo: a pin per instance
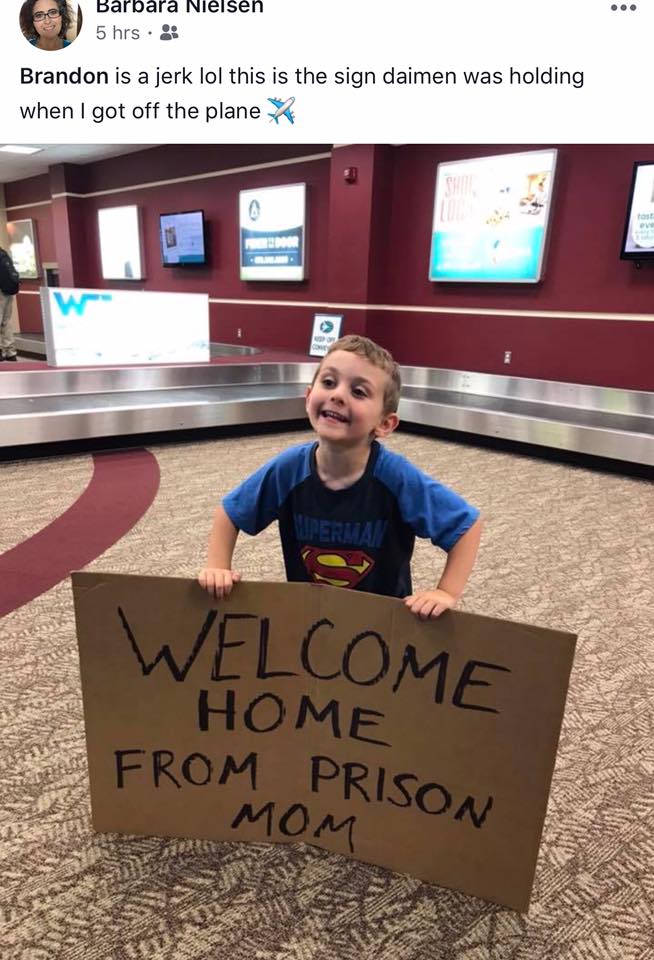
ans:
(50, 24)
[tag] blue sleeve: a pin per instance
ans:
(255, 503)
(432, 510)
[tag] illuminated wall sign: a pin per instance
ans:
(98, 327)
(23, 248)
(491, 217)
(272, 232)
(120, 243)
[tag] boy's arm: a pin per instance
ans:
(218, 578)
(458, 567)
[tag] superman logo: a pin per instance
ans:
(338, 568)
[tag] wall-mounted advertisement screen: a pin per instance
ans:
(491, 218)
(638, 238)
(273, 232)
(23, 249)
(105, 327)
(120, 243)
(182, 238)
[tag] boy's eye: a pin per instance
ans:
(359, 392)
(327, 381)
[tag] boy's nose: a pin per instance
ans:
(337, 393)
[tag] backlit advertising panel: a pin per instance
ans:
(491, 218)
(272, 232)
(120, 243)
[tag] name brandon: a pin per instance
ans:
(171, 6)
(76, 76)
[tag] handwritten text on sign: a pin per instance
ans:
(298, 712)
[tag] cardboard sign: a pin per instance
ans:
(299, 712)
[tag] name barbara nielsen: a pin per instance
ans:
(171, 6)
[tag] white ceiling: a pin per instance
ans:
(14, 166)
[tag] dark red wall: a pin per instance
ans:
(369, 244)
(218, 198)
(74, 223)
(583, 273)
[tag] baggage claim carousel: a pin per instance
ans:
(52, 405)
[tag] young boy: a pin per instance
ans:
(349, 509)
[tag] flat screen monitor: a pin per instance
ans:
(272, 226)
(638, 237)
(182, 238)
(491, 218)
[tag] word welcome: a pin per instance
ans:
(384, 660)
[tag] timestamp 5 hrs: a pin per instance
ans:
(115, 32)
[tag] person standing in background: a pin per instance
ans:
(9, 284)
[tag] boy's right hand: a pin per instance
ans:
(218, 583)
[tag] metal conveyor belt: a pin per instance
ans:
(53, 405)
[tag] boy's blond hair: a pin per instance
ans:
(379, 357)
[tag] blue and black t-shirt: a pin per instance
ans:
(361, 537)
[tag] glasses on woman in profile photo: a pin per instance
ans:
(50, 24)
(53, 14)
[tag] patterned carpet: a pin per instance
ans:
(564, 547)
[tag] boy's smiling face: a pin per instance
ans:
(345, 404)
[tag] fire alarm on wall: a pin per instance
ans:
(350, 174)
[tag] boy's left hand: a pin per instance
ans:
(429, 603)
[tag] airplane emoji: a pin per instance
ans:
(282, 109)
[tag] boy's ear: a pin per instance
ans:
(388, 423)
